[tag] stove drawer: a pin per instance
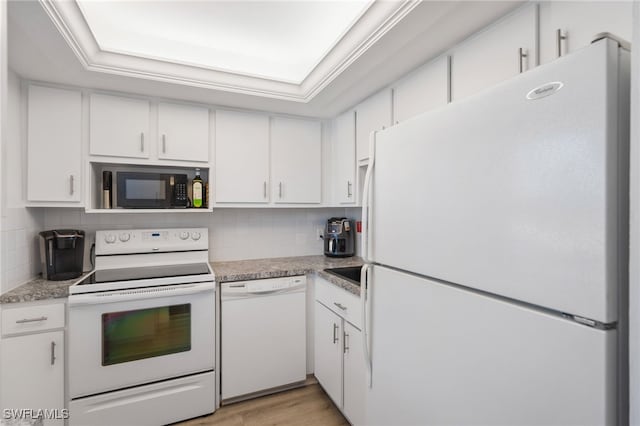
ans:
(33, 318)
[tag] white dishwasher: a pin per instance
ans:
(263, 335)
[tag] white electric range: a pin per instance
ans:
(142, 330)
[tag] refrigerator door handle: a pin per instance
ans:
(366, 196)
(364, 278)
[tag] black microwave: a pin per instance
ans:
(139, 190)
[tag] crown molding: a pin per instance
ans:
(374, 23)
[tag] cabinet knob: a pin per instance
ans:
(164, 144)
(71, 185)
(335, 333)
(141, 141)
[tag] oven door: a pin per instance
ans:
(131, 337)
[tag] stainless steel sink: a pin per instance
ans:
(350, 273)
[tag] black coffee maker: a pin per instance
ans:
(62, 254)
(340, 237)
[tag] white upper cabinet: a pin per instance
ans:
(372, 114)
(296, 160)
(241, 158)
(424, 89)
(183, 132)
(54, 145)
(118, 126)
(495, 54)
(343, 153)
(578, 23)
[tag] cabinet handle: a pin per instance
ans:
(348, 189)
(141, 141)
(560, 36)
(164, 144)
(264, 188)
(335, 333)
(22, 321)
(71, 188)
(522, 54)
(346, 343)
(342, 307)
(53, 353)
(280, 190)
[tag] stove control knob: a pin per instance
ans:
(110, 238)
(124, 237)
(195, 235)
(184, 235)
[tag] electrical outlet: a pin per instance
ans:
(320, 233)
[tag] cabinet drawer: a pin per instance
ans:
(32, 318)
(343, 303)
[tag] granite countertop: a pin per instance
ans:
(239, 270)
(255, 269)
(39, 289)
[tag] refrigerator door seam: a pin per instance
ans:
(587, 322)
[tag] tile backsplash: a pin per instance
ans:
(20, 253)
(233, 233)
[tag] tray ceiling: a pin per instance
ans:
(51, 41)
(275, 40)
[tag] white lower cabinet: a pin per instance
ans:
(35, 379)
(328, 352)
(355, 375)
(338, 352)
(32, 354)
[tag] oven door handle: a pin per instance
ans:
(140, 294)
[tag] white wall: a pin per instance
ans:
(20, 226)
(233, 233)
(634, 218)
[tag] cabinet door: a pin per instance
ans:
(355, 375)
(579, 23)
(328, 351)
(296, 160)
(241, 157)
(54, 139)
(424, 89)
(493, 55)
(118, 126)
(35, 379)
(372, 114)
(344, 158)
(184, 132)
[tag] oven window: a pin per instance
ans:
(138, 189)
(145, 333)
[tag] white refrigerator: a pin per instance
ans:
(495, 241)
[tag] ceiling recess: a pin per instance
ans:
(282, 50)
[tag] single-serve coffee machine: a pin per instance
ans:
(62, 254)
(340, 237)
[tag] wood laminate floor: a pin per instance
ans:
(306, 406)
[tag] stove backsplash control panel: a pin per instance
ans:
(122, 241)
